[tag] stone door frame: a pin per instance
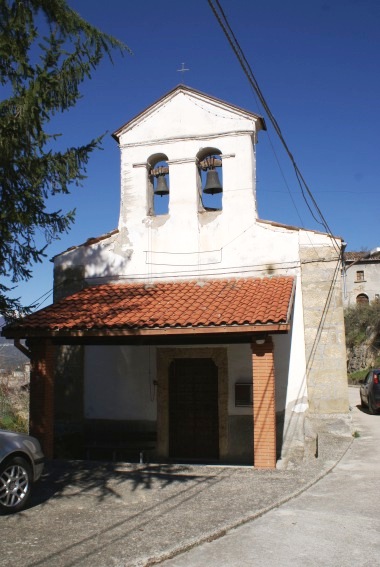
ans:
(165, 356)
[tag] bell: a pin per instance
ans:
(212, 183)
(161, 187)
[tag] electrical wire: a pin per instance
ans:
(285, 181)
(233, 271)
(197, 272)
(224, 24)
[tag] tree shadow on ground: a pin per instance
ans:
(103, 480)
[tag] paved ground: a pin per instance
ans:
(91, 514)
(334, 523)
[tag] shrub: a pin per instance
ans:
(13, 409)
(355, 377)
(361, 321)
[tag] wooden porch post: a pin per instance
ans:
(264, 405)
(41, 409)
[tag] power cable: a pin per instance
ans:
(224, 24)
(188, 273)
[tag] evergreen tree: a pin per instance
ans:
(46, 51)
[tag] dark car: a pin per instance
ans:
(370, 391)
(21, 464)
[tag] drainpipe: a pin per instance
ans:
(344, 276)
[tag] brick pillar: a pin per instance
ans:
(41, 414)
(264, 410)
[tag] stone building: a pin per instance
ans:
(361, 278)
(195, 331)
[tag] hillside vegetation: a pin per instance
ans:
(362, 339)
(14, 392)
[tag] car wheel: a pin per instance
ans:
(15, 484)
(361, 402)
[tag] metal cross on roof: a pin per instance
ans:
(183, 70)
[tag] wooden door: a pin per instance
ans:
(193, 409)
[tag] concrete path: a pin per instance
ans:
(92, 514)
(334, 523)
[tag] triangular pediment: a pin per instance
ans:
(184, 111)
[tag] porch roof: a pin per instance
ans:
(206, 306)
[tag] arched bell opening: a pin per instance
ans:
(158, 184)
(210, 179)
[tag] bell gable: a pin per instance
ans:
(186, 113)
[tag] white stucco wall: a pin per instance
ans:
(191, 243)
(119, 383)
(239, 370)
(130, 373)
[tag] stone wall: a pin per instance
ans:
(324, 330)
(164, 358)
(362, 356)
(369, 285)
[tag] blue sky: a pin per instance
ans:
(317, 63)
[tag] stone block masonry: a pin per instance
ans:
(324, 330)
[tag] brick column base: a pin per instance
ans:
(41, 409)
(264, 410)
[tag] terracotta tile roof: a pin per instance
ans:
(357, 256)
(168, 305)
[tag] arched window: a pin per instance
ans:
(158, 184)
(210, 179)
(362, 299)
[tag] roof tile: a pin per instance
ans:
(245, 301)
